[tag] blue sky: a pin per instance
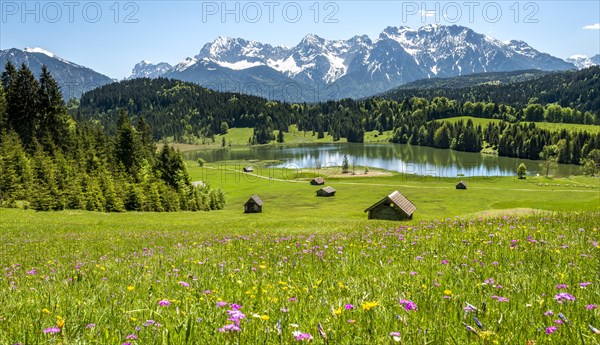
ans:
(112, 36)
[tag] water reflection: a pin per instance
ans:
(397, 157)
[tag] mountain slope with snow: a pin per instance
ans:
(360, 66)
(72, 78)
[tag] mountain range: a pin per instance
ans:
(72, 78)
(356, 67)
(582, 61)
(318, 69)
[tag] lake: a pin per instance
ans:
(397, 157)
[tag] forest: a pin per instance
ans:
(185, 112)
(49, 161)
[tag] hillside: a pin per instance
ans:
(575, 89)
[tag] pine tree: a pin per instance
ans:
(128, 146)
(22, 105)
(54, 119)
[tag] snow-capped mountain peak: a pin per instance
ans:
(398, 55)
(146, 69)
(582, 61)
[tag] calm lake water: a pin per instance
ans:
(398, 157)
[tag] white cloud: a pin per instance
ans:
(592, 27)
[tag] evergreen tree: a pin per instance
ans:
(345, 165)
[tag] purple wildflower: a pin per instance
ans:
(90, 325)
(408, 305)
(561, 286)
(52, 330)
(184, 284)
(302, 336)
(549, 313)
(584, 284)
(230, 328)
(164, 303)
(551, 329)
(349, 306)
(131, 336)
(563, 296)
(221, 304)
(591, 306)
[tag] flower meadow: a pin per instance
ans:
(507, 280)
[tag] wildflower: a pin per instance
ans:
(395, 336)
(90, 325)
(337, 311)
(46, 311)
(221, 304)
(408, 305)
(278, 327)
(549, 313)
(563, 296)
(471, 307)
(164, 303)
(594, 329)
(130, 288)
(563, 318)
(558, 322)
(444, 262)
(477, 322)
(349, 306)
(322, 331)
(60, 322)
(149, 323)
(131, 336)
(583, 285)
(230, 328)
(302, 336)
(561, 286)
(127, 343)
(184, 284)
(52, 330)
(591, 306)
(469, 328)
(368, 305)
(551, 329)
(32, 271)
(350, 321)
(265, 317)
(447, 292)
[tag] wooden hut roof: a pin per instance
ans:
(319, 180)
(461, 183)
(399, 200)
(328, 189)
(255, 199)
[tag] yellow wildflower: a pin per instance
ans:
(369, 305)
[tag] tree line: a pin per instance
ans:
(186, 112)
(48, 161)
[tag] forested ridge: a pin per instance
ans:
(48, 161)
(579, 90)
(185, 112)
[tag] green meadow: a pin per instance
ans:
(506, 254)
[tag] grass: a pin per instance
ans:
(239, 137)
(162, 279)
(555, 127)
(170, 278)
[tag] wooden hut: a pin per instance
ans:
(253, 205)
(393, 207)
(326, 191)
(248, 169)
(461, 185)
(318, 181)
